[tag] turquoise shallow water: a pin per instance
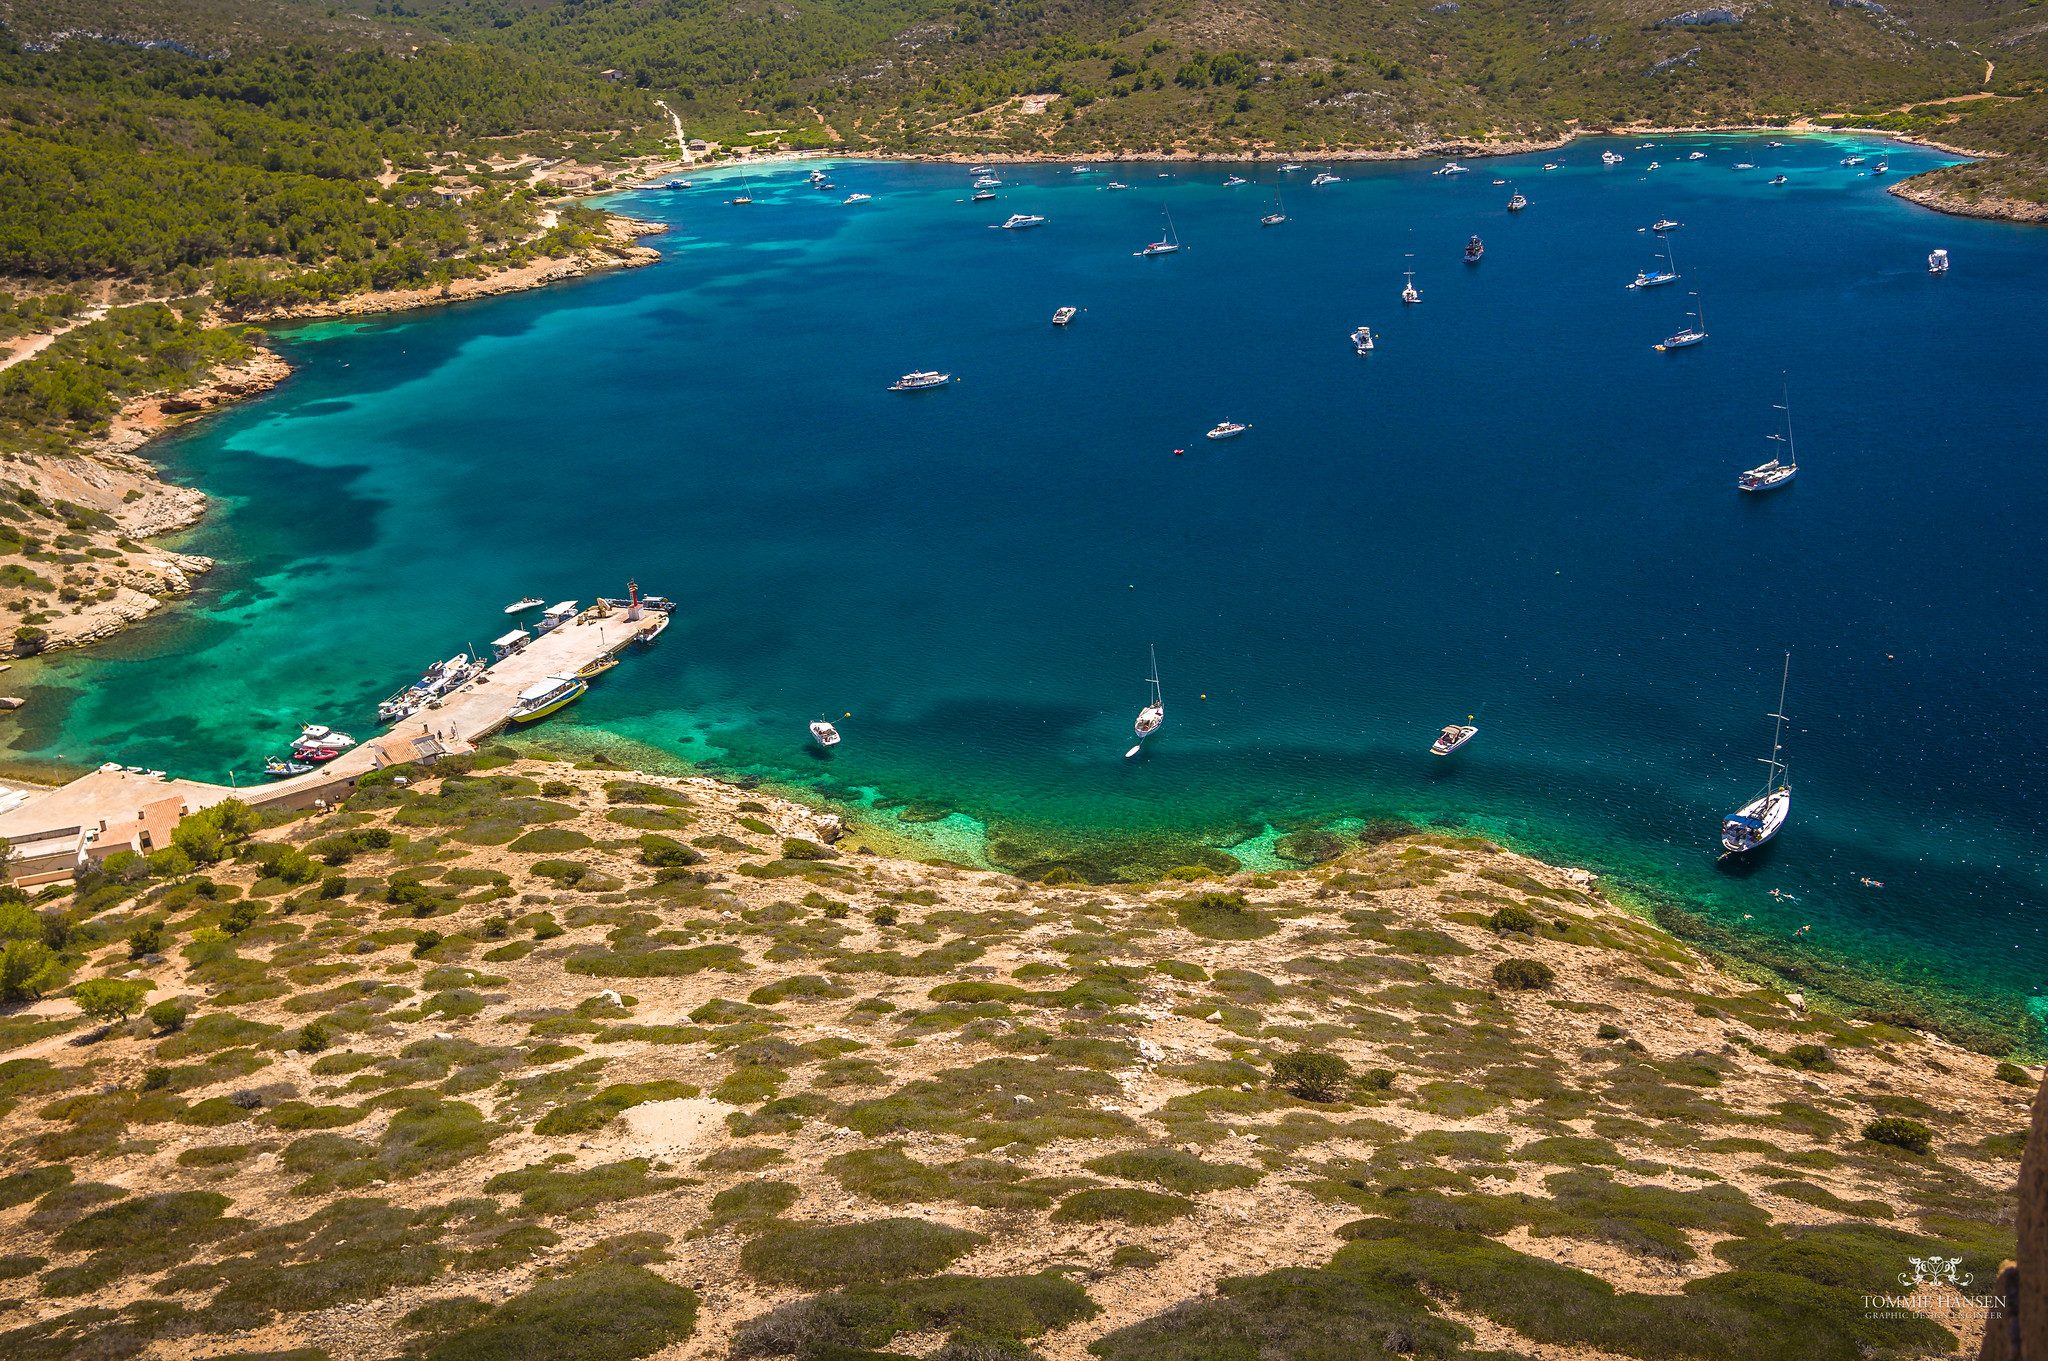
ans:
(1514, 509)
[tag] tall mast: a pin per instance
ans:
(1157, 698)
(1790, 448)
(1774, 761)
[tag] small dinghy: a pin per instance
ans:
(277, 768)
(824, 734)
(1453, 736)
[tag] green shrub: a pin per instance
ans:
(1313, 1075)
(1174, 1170)
(146, 939)
(1219, 915)
(548, 1189)
(1524, 975)
(580, 1117)
(550, 840)
(989, 1317)
(610, 1312)
(28, 969)
(1121, 1204)
(822, 1256)
(1899, 1132)
(799, 848)
(1513, 918)
(169, 1014)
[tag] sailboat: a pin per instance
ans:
(746, 193)
(1688, 335)
(1650, 278)
(1277, 216)
(1409, 292)
(1775, 474)
(1167, 244)
(1152, 715)
(1763, 816)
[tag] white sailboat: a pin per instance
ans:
(1277, 216)
(1167, 244)
(1763, 816)
(1779, 471)
(1409, 292)
(1152, 715)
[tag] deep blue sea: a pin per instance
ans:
(1514, 509)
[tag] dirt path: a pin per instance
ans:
(35, 345)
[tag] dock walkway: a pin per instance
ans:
(54, 831)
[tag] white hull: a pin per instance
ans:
(1756, 822)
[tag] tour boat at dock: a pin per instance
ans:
(546, 696)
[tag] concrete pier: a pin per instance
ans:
(55, 831)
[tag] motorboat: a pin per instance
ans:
(1290, 167)
(1454, 736)
(1854, 160)
(1409, 292)
(1452, 168)
(1697, 156)
(856, 198)
(824, 734)
(1064, 315)
(1654, 165)
(1665, 224)
(1363, 340)
(1153, 715)
(320, 735)
(1763, 817)
(672, 184)
(983, 195)
(545, 696)
(919, 380)
(1227, 430)
(1611, 158)
(1550, 165)
(1880, 168)
(1937, 262)
(313, 756)
(1517, 203)
(987, 182)
(1475, 251)
(1116, 184)
(524, 603)
(1779, 471)
(1781, 179)
(1017, 222)
(1325, 177)
(591, 670)
(1743, 165)
(1231, 182)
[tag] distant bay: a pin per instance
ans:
(1513, 509)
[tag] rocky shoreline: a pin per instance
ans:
(109, 476)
